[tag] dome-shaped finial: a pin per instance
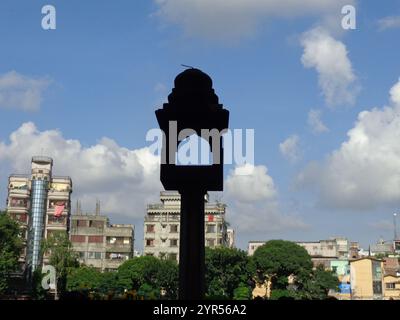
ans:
(193, 78)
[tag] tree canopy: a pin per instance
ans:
(10, 249)
(226, 271)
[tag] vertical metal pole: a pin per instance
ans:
(191, 245)
(395, 227)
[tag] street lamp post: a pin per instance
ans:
(192, 105)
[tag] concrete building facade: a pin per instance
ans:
(100, 244)
(321, 252)
(40, 203)
(162, 223)
(366, 278)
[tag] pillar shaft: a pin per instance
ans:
(191, 246)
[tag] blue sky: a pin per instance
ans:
(108, 66)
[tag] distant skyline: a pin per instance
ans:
(324, 103)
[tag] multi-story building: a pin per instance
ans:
(230, 233)
(161, 226)
(100, 244)
(321, 252)
(41, 203)
(253, 246)
(366, 278)
(382, 247)
(392, 286)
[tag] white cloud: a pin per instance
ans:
(236, 19)
(124, 180)
(21, 92)
(364, 173)
(329, 57)
(391, 22)
(290, 148)
(255, 185)
(315, 123)
(253, 204)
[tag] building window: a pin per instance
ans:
(211, 228)
(150, 228)
(174, 228)
(81, 223)
(57, 220)
(150, 243)
(390, 286)
(94, 255)
(95, 239)
(173, 242)
(210, 242)
(19, 203)
(82, 255)
(76, 238)
(173, 256)
(96, 224)
(334, 269)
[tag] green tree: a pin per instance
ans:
(10, 249)
(226, 270)
(137, 271)
(167, 278)
(243, 292)
(83, 279)
(107, 283)
(319, 284)
(278, 259)
(61, 256)
(148, 275)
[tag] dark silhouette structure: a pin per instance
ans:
(194, 105)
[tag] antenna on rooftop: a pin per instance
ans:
(186, 66)
(97, 207)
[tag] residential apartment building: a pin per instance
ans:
(392, 286)
(100, 244)
(321, 252)
(40, 202)
(161, 226)
(366, 278)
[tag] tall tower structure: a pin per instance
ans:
(41, 204)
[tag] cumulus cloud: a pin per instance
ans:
(390, 22)
(290, 148)
(252, 202)
(123, 179)
(21, 92)
(329, 57)
(126, 180)
(315, 123)
(364, 173)
(220, 20)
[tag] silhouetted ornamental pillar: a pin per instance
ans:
(193, 105)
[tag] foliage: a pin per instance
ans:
(318, 285)
(10, 248)
(279, 259)
(83, 279)
(147, 270)
(61, 256)
(38, 292)
(282, 294)
(226, 270)
(243, 292)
